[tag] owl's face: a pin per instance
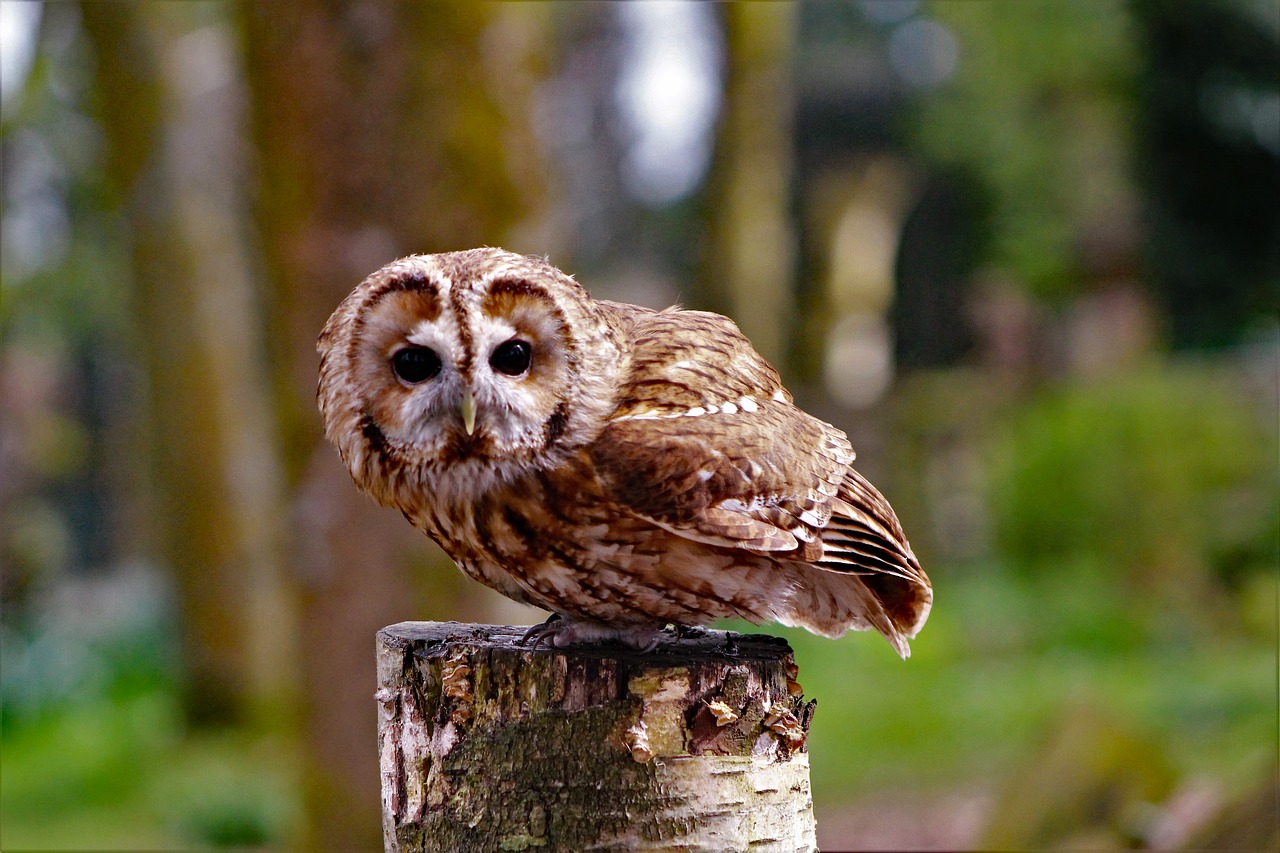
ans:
(473, 367)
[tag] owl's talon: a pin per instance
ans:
(543, 631)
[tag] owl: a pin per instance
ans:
(624, 468)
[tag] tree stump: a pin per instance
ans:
(486, 744)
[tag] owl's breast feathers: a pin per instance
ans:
(709, 446)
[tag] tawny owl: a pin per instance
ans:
(624, 468)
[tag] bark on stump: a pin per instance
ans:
(489, 745)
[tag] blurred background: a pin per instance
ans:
(1026, 254)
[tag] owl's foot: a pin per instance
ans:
(542, 631)
(559, 632)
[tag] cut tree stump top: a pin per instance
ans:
(485, 743)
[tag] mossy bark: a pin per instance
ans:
(486, 744)
(210, 452)
(380, 129)
(749, 271)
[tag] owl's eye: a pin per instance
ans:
(415, 364)
(512, 357)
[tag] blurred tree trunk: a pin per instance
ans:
(383, 129)
(750, 258)
(170, 148)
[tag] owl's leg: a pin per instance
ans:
(559, 631)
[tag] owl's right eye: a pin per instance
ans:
(415, 364)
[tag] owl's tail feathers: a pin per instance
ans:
(867, 576)
(905, 607)
(832, 603)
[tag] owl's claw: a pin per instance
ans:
(543, 631)
(559, 632)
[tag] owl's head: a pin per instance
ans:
(464, 369)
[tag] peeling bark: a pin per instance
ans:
(489, 745)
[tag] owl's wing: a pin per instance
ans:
(709, 446)
(773, 480)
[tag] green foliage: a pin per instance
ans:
(64, 258)
(77, 776)
(1037, 111)
(121, 773)
(1159, 474)
(1093, 782)
(1207, 158)
(228, 790)
(95, 751)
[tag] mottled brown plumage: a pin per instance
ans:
(622, 467)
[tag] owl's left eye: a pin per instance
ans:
(512, 357)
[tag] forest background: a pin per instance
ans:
(1026, 254)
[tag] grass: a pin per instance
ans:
(124, 774)
(77, 777)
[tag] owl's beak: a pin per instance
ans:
(468, 409)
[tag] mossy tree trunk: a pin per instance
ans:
(172, 166)
(382, 129)
(487, 744)
(750, 269)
